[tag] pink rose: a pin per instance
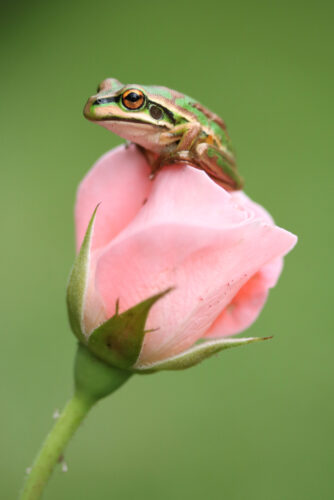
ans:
(220, 252)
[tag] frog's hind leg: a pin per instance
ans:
(219, 166)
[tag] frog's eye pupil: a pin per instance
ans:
(133, 99)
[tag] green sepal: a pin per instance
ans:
(76, 287)
(196, 354)
(119, 340)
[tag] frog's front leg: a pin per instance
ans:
(183, 136)
(219, 166)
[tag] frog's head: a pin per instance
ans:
(131, 111)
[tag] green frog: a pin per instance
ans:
(168, 127)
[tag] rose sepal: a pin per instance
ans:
(118, 341)
(195, 354)
(77, 283)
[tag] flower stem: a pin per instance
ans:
(53, 447)
(93, 381)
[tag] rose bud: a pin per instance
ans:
(167, 270)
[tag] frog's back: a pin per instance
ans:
(187, 108)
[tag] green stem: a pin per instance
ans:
(93, 380)
(53, 447)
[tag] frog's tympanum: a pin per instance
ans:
(169, 127)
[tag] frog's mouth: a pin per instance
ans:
(129, 121)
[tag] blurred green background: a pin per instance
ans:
(253, 423)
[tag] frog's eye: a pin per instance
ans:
(133, 99)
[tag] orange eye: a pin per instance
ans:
(133, 99)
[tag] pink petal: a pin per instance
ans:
(120, 182)
(191, 234)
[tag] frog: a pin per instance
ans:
(168, 127)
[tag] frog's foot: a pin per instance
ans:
(219, 166)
